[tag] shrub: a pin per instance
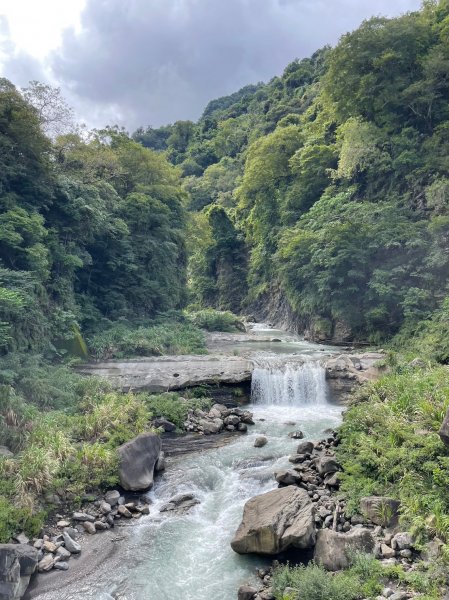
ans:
(314, 583)
(390, 445)
(215, 320)
(174, 408)
(121, 340)
(14, 519)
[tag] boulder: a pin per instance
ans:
(17, 563)
(333, 549)
(327, 464)
(260, 441)
(138, 458)
(380, 510)
(275, 521)
(211, 426)
(246, 592)
(89, 527)
(124, 512)
(63, 553)
(402, 541)
(80, 516)
(305, 448)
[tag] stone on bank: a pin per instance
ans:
(138, 459)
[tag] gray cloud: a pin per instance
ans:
(156, 61)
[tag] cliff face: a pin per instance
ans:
(274, 307)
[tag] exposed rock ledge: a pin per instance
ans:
(164, 373)
(347, 371)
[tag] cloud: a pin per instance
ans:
(154, 61)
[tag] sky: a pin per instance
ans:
(151, 62)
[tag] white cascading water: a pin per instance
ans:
(288, 382)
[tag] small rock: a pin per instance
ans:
(70, 544)
(80, 516)
(46, 564)
(387, 592)
(61, 566)
(387, 552)
(112, 497)
(38, 544)
(49, 547)
(63, 553)
(242, 427)
(287, 477)
(246, 592)
(260, 441)
(72, 532)
(144, 510)
(105, 507)
(63, 524)
(406, 553)
(101, 526)
(124, 512)
(89, 527)
(296, 435)
(21, 538)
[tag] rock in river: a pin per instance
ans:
(138, 458)
(275, 521)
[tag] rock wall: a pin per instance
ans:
(346, 372)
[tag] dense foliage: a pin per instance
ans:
(390, 446)
(91, 229)
(329, 183)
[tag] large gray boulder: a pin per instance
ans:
(333, 549)
(275, 521)
(138, 459)
(17, 563)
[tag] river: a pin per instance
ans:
(170, 557)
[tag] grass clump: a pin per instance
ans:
(123, 340)
(390, 445)
(365, 578)
(312, 582)
(173, 407)
(216, 320)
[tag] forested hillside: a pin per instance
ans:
(328, 185)
(92, 229)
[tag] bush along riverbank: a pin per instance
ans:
(368, 504)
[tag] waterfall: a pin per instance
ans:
(292, 383)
